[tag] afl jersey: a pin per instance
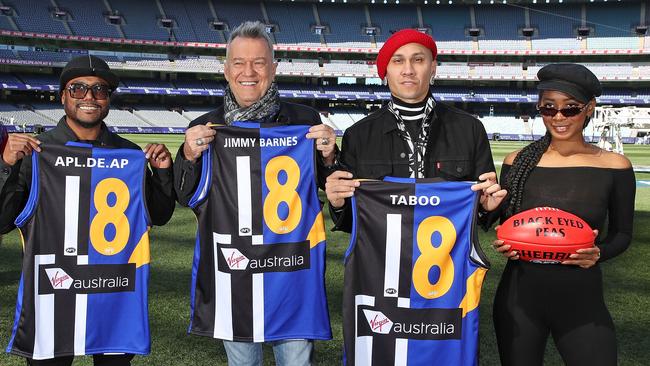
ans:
(259, 262)
(83, 288)
(413, 274)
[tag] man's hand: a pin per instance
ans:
(491, 192)
(339, 186)
(158, 155)
(18, 146)
(197, 140)
(325, 141)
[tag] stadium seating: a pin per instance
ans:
(161, 118)
(20, 115)
(447, 23)
(201, 15)
(391, 18)
(34, 16)
(560, 22)
(237, 12)
(294, 21)
(87, 18)
(141, 19)
(499, 21)
(119, 117)
(344, 26)
(613, 20)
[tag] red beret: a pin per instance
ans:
(399, 39)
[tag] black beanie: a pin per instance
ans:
(87, 66)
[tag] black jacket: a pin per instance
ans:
(15, 180)
(458, 149)
(187, 174)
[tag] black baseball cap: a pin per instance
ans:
(87, 66)
(573, 79)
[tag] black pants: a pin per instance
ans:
(98, 360)
(535, 300)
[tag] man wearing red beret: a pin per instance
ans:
(413, 135)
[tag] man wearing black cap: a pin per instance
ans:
(86, 85)
(413, 135)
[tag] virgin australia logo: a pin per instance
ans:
(58, 278)
(379, 323)
(235, 259)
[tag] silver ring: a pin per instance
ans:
(325, 141)
(199, 141)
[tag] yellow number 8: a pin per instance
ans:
(434, 256)
(282, 193)
(110, 215)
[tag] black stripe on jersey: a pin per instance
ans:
(226, 161)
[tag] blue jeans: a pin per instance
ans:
(297, 352)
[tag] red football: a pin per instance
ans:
(546, 234)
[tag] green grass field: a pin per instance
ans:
(627, 287)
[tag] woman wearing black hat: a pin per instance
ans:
(562, 170)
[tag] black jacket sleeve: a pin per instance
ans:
(160, 195)
(342, 216)
(187, 175)
(621, 215)
(14, 191)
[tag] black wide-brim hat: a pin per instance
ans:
(88, 66)
(573, 79)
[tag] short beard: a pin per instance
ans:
(87, 125)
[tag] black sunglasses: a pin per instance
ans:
(79, 91)
(566, 112)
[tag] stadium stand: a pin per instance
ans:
(558, 23)
(201, 14)
(613, 20)
(141, 19)
(193, 113)
(87, 18)
(183, 28)
(119, 117)
(32, 16)
(22, 115)
(344, 26)
(499, 21)
(161, 118)
(447, 23)
(236, 13)
(294, 21)
(391, 18)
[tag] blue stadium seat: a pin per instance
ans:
(391, 18)
(201, 16)
(499, 21)
(88, 18)
(236, 13)
(294, 20)
(183, 29)
(448, 23)
(613, 20)
(141, 19)
(34, 16)
(558, 21)
(345, 26)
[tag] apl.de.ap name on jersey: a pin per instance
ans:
(90, 162)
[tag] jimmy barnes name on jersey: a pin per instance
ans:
(238, 142)
(90, 162)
